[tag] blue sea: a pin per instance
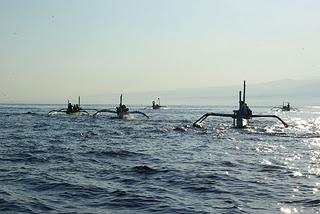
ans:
(82, 164)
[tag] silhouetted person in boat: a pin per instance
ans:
(122, 108)
(156, 105)
(286, 107)
(245, 110)
(69, 109)
(76, 108)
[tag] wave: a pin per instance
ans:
(144, 169)
(114, 153)
(7, 206)
(69, 164)
(25, 157)
(304, 202)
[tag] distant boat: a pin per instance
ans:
(156, 105)
(71, 109)
(284, 107)
(122, 111)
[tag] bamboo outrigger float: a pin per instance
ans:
(241, 116)
(122, 111)
(71, 109)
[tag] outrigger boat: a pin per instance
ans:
(241, 116)
(122, 111)
(156, 105)
(71, 109)
(284, 107)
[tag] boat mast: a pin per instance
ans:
(244, 91)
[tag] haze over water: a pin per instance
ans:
(80, 164)
(56, 50)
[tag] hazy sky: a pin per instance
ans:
(58, 49)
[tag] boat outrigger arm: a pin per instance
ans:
(239, 116)
(198, 123)
(71, 109)
(65, 110)
(121, 111)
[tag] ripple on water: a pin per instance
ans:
(63, 164)
(113, 153)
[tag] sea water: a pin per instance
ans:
(82, 164)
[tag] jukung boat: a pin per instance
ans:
(72, 109)
(122, 111)
(284, 107)
(241, 116)
(156, 105)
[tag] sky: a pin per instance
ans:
(51, 51)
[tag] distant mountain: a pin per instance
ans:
(298, 92)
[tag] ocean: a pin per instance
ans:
(82, 164)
